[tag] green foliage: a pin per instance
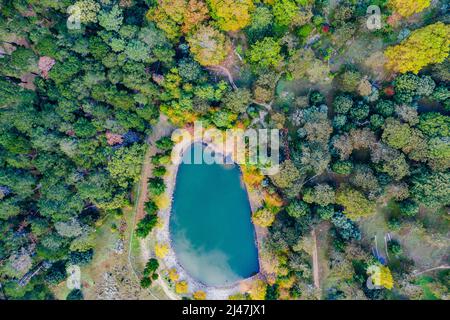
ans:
(265, 53)
(151, 267)
(409, 208)
(156, 186)
(434, 124)
(321, 194)
(298, 209)
(111, 20)
(342, 104)
(125, 165)
(237, 101)
(355, 204)
(165, 143)
(146, 225)
(342, 167)
(431, 188)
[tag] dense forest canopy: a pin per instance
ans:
(364, 116)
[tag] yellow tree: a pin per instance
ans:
(258, 290)
(231, 15)
(424, 46)
(181, 287)
(178, 17)
(407, 8)
(209, 46)
(263, 217)
(199, 295)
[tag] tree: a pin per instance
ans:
(231, 15)
(322, 194)
(111, 20)
(428, 45)
(434, 124)
(199, 295)
(125, 165)
(431, 188)
(75, 294)
(409, 208)
(396, 134)
(156, 186)
(181, 287)
(291, 13)
(287, 177)
(89, 10)
(263, 217)
(298, 209)
(238, 100)
(146, 282)
(258, 289)
(146, 225)
(342, 104)
(209, 46)
(178, 17)
(265, 54)
(407, 8)
(151, 267)
(354, 202)
(346, 228)
(342, 167)
(349, 81)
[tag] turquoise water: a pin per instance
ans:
(210, 225)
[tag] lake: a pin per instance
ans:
(210, 224)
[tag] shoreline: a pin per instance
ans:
(162, 233)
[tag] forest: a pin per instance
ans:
(364, 116)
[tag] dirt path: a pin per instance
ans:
(315, 260)
(163, 128)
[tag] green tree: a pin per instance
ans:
(265, 54)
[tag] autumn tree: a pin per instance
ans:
(428, 45)
(178, 17)
(231, 15)
(407, 8)
(354, 202)
(209, 46)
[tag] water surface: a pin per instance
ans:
(210, 225)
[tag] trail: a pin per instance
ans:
(315, 260)
(444, 267)
(163, 128)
